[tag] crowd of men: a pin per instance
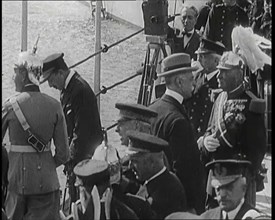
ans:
(195, 152)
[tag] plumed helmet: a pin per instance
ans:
(111, 156)
(33, 65)
(230, 60)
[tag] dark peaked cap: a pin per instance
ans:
(209, 46)
(50, 63)
(226, 171)
(136, 112)
(142, 142)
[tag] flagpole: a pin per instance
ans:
(97, 48)
(24, 28)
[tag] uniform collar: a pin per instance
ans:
(209, 76)
(175, 95)
(236, 92)
(69, 77)
(232, 214)
(156, 175)
(30, 88)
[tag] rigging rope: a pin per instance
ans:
(105, 48)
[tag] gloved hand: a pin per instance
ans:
(211, 143)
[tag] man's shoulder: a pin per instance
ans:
(211, 213)
(7, 106)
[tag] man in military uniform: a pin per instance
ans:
(221, 21)
(200, 104)
(203, 14)
(236, 124)
(80, 108)
(133, 117)
(161, 188)
(33, 119)
(97, 200)
(230, 183)
(173, 125)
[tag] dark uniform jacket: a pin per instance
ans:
(216, 213)
(173, 125)
(200, 104)
(167, 195)
(202, 17)
(221, 21)
(177, 44)
(35, 173)
(248, 137)
(83, 120)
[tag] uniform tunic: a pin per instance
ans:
(247, 139)
(221, 21)
(35, 173)
(82, 117)
(200, 104)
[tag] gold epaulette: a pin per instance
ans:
(257, 105)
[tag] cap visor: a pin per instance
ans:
(221, 181)
(44, 77)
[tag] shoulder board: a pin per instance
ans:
(257, 105)
(251, 214)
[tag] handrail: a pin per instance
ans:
(105, 49)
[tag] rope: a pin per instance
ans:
(105, 48)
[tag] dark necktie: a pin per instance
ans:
(186, 34)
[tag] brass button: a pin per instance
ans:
(191, 117)
(39, 167)
(40, 185)
(24, 168)
(201, 120)
(192, 110)
(23, 187)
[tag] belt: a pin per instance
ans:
(27, 148)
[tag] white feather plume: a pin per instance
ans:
(248, 47)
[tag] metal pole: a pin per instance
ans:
(97, 48)
(24, 30)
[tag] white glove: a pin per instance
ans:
(211, 143)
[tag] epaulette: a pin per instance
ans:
(257, 105)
